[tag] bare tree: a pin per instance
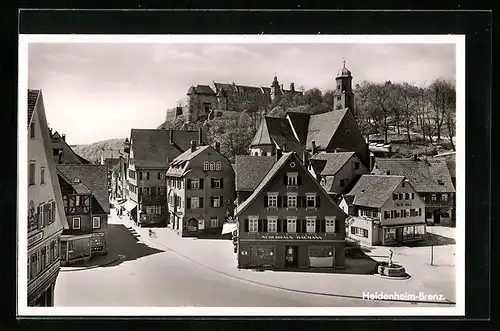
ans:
(406, 99)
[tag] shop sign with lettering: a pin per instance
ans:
(35, 238)
(292, 236)
(402, 204)
(43, 277)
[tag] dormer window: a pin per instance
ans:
(206, 166)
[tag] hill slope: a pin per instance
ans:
(93, 152)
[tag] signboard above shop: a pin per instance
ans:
(292, 236)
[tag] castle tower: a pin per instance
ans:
(191, 105)
(343, 96)
(275, 89)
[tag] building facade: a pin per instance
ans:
(200, 186)
(431, 179)
(46, 217)
(384, 210)
(290, 222)
(150, 154)
(86, 204)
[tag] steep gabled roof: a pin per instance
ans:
(332, 162)
(250, 170)
(32, 99)
(300, 123)
(322, 127)
(424, 175)
(277, 131)
(373, 191)
(87, 179)
(204, 89)
(271, 174)
(68, 154)
(152, 148)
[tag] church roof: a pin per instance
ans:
(322, 127)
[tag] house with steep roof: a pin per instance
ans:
(384, 210)
(290, 222)
(249, 171)
(432, 180)
(334, 131)
(86, 204)
(46, 218)
(337, 172)
(200, 190)
(150, 154)
(62, 152)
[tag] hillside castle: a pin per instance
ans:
(207, 101)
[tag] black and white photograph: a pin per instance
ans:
(241, 175)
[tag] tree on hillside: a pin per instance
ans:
(406, 95)
(328, 98)
(439, 92)
(313, 97)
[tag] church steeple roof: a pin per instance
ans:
(344, 72)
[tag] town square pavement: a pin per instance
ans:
(167, 270)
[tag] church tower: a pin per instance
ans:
(275, 89)
(343, 96)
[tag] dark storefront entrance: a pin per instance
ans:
(291, 260)
(437, 217)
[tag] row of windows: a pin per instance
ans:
(434, 197)
(153, 191)
(76, 204)
(160, 175)
(155, 210)
(212, 166)
(357, 231)
(291, 200)
(196, 183)
(403, 213)
(292, 225)
(77, 222)
(197, 202)
(409, 232)
(367, 212)
(32, 176)
(403, 196)
(40, 260)
(45, 216)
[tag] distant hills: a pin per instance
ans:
(93, 152)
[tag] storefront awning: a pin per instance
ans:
(129, 205)
(67, 237)
(229, 227)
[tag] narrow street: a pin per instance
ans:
(150, 277)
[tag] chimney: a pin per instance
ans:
(372, 160)
(282, 87)
(64, 137)
(313, 143)
(50, 132)
(284, 147)
(171, 139)
(279, 154)
(217, 146)
(200, 137)
(305, 160)
(193, 146)
(292, 87)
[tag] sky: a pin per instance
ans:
(98, 91)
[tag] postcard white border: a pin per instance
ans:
(457, 310)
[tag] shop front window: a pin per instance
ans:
(389, 235)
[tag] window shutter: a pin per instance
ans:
(188, 203)
(323, 226)
(304, 202)
(317, 201)
(201, 202)
(278, 225)
(279, 201)
(246, 225)
(299, 180)
(221, 201)
(159, 175)
(211, 201)
(201, 183)
(259, 225)
(365, 233)
(221, 182)
(304, 226)
(189, 183)
(337, 226)
(53, 211)
(212, 183)
(285, 201)
(318, 226)
(353, 229)
(264, 225)
(265, 201)
(147, 175)
(284, 224)
(299, 201)
(285, 180)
